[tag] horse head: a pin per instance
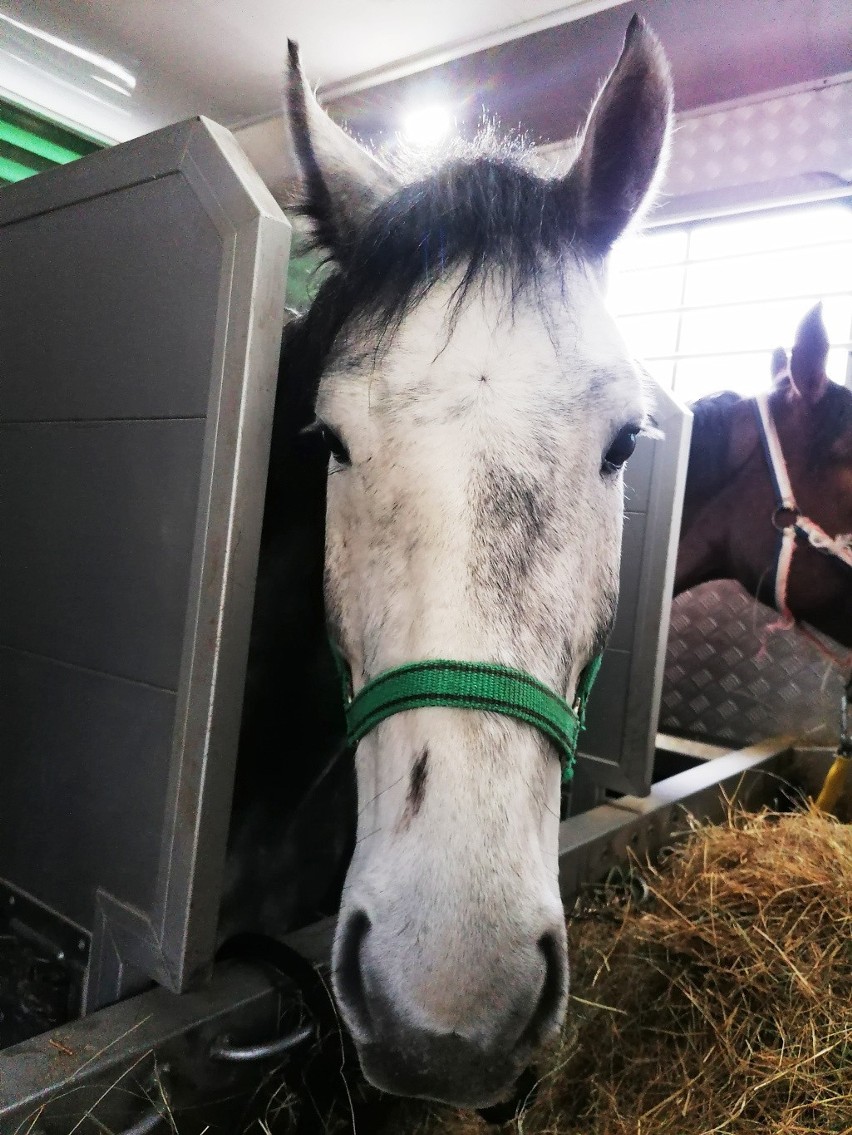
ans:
(730, 526)
(478, 405)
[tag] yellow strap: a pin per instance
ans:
(833, 786)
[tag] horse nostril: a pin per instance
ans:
(348, 976)
(546, 1014)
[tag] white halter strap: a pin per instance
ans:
(837, 546)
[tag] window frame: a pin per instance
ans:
(666, 365)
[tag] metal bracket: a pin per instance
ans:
(63, 939)
(48, 955)
(126, 954)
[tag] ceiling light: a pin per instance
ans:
(427, 125)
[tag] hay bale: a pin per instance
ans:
(723, 1004)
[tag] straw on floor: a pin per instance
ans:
(720, 1004)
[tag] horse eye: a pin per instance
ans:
(334, 445)
(621, 448)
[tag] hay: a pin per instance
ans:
(722, 1004)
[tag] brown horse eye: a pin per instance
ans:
(620, 450)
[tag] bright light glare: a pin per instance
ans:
(427, 126)
(705, 313)
(113, 86)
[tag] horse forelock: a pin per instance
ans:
(483, 211)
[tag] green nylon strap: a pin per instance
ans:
(484, 686)
(584, 686)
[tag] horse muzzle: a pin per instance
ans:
(412, 1042)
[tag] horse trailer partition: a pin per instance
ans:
(141, 309)
(617, 749)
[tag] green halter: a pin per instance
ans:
(483, 686)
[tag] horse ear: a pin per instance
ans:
(623, 142)
(807, 359)
(342, 182)
(778, 364)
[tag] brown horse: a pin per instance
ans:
(730, 529)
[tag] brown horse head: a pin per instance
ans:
(727, 530)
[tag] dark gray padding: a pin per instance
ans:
(89, 755)
(104, 514)
(141, 311)
(617, 748)
(140, 345)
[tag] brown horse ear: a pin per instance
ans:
(807, 359)
(623, 142)
(778, 365)
(342, 182)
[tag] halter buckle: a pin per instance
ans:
(785, 517)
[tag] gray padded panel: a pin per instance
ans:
(616, 751)
(607, 709)
(632, 546)
(140, 324)
(70, 832)
(104, 516)
(140, 343)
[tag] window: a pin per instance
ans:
(704, 304)
(29, 144)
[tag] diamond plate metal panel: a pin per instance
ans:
(785, 135)
(780, 136)
(733, 676)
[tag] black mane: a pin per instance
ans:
(483, 211)
(711, 429)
